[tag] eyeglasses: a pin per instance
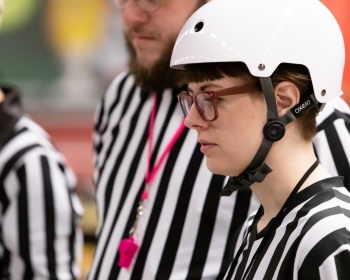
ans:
(145, 5)
(206, 102)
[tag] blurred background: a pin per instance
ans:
(62, 54)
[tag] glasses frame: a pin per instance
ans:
(241, 89)
(144, 7)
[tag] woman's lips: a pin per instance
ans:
(206, 146)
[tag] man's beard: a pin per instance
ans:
(159, 76)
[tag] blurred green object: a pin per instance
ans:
(18, 13)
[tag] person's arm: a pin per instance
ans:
(332, 140)
(46, 237)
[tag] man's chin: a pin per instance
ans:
(155, 75)
(147, 61)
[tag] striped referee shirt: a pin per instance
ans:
(310, 240)
(332, 141)
(186, 225)
(186, 229)
(40, 236)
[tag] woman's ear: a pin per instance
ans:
(287, 95)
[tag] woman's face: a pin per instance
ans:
(231, 141)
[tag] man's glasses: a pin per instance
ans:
(145, 5)
(206, 102)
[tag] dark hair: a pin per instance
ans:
(212, 71)
(295, 73)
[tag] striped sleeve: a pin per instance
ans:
(41, 236)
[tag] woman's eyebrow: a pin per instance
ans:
(205, 87)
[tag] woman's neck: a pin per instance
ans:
(279, 184)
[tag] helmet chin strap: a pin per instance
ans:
(274, 130)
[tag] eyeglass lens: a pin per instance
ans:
(204, 103)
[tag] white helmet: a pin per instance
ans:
(264, 34)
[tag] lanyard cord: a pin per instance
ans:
(129, 246)
(152, 172)
(278, 219)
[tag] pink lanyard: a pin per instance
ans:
(128, 246)
(151, 173)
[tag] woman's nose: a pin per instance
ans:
(194, 120)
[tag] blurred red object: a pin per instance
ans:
(341, 11)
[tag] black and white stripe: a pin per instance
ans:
(187, 225)
(186, 230)
(310, 242)
(332, 140)
(39, 208)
